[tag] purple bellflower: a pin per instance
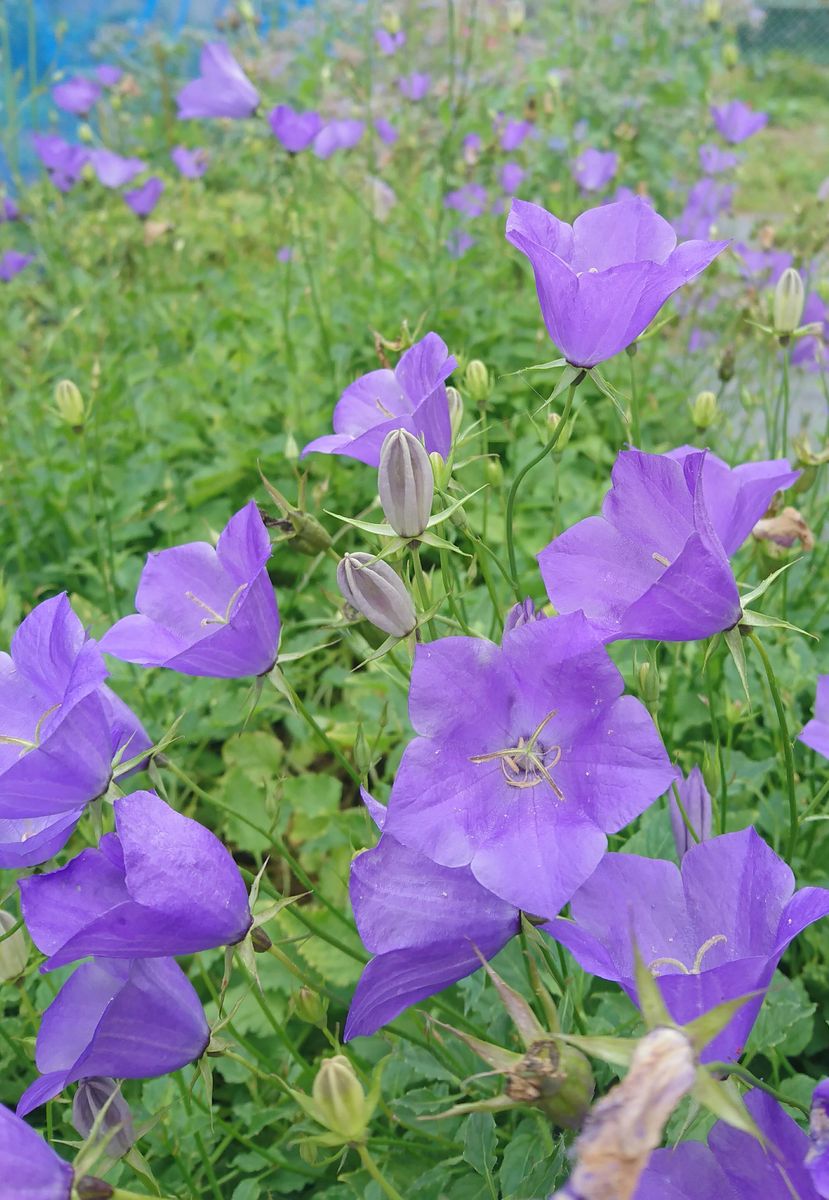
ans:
(386, 131)
(422, 922)
(30, 1168)
(811, 352)
(735, 1165)
(714, 160)
(411, 397)
(736, 122)
(109, 75)
(415, 86)
(655, 563)
(12, 263)
(514, 133)
(192, 164)
(602, 280)
(62, 160)
(205, 611)
(221, 90)
(710, 931)
(817, 1158)
(511, 176)
(126, 1019)
(77, 95)
(707, 201)
(594, 169)
(458, 242)
(294, 129)
(470, 200)
(696, 802)
(522, 614)
(526, 753)
(113, 170)
(389, 43)
(9, 210)
(472, 146)
(815, 733)
(142, 200)
(763, 267)
(338, 135)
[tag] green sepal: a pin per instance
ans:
(723, 1100)
(547, 366)
(704, 1029)
(651, 1001)
(501, 1060)
(734, 642)
(123, 767)
(617, 1051)
(758, 620)
(529, 1027)
(607, 389)
(206, 1076)
(756, 592)
(492, 1105)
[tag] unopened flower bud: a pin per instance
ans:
(520, 614)
(789, 299)
(493, 471)
(730, 55)
(477, 381)
(441, 470)
(377, 593)
(405, 483)
(291, 449)
(90, 1188)
(712, 11)
(648, 679)
(310, 1006)
(516, 15)
(70, 404)
(455, 401)
(704, 410)
(341, 1103)
(85, 133)
(553, 422)
(696, 803)
(14, 953)
(390, 18)
(725, 367)
(115, 1131)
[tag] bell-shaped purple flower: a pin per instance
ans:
(710, 931)
(655, 563)
(221, 90)
(63, 160)
(9, 210)
(116, 1132)
(762, 267)
(707, 201)
(736, 121)
(527, 753)
(338, 135)
(510, 177)
(411, 397)
(386, 131)
(110, 76)
(815, 733)
(514, 133)
(113, 170)
(76, 95)
(389, 43)
(162, 884)
(30, 1168)
(817, 1158)
(12, 263)
(602, 280)
(424, 924)
(812, 352)
(696, 802)
(205, 611)
(294, 129)
(458, 242)
(192, 164)
(143, 200)
(714, 160)
(594, 169)
(126, 1019)
(471, 200)
(415, 86)
(28, 841)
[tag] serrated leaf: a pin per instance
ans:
(479, 1139)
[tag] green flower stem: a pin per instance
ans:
(715, 728)
(254, 1070)
(635, 426)
(683, 813)
(199, 1140)
(449, 584)
(122, 1194)
(376, 1174)
(788, 756)
(741, 1072)
(519, 479)
(321, 734)
(422, 591)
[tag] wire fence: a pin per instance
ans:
(800, 28)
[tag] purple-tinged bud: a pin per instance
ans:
(115, 1131)
(522, 614)
(377, 593)
(697, 804)
(406, 483)
(90, 1188)
(789, 301)
(341, 1104)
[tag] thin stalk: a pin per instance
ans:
(202, 1149)
(449, 582)
(322, 735)
(788, 756)
(420, 580)
(685, 818)
(715, 728)
(376, 1174)
(635, 425)
(732, 1068)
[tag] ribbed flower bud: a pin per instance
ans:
(704, 410)
(341, 1103)
(390, 18)
(69, 403)
(310, 1006)
(377, 593)
(789, 299)
(516, 15)
(14, 952)
(116, 1130)
(405, 483)
(455, 402)
(476, 381)
(648, 680)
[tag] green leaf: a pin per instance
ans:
(786, 1019)
(527, 1149)
(479, 1140)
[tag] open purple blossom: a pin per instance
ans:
(415, 86)
(594, 169)
(602, 280)
(142, 200)
(205, 610)
(711, 930)
(472, 146)
(77, 95)
(458, 242)
(12, 263)
(28, 841)
(696, 802)
(294, 129)
(714, 160)
(113, 170)
(422, 922)
(735, 1165)
(386, 131)
(192, 164)
(811, 352)
(526, 752)
(411, 397)
(221, 90)
(109, 75)
(511, 176)
(707, 201)
(817, 1158)
(655, 564)
(470, 200)
(815, 733)
(29, 1164)
(514, 133)
(389, 43)
(115, 1017)
(160, 885)
(63, 160)
(736, 122)
(763, 267)
(338, 135)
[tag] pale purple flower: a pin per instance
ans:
(458, 242)
(284, 254)
(31, 1168)
(412, 397)
(710, 931)
(205, 610)
(9, 210)
(472, 145)
(707, 201)
(98, 1105)
(514, 133)
(626, 193)
(338, 135)
(655, 563)
(470, 200)
(63, 161)
(736, 121)
(386, 131)
(696, 802)
(12, 263)
(817, 1157)
(415, 86)
(601, 281)
(811, 351)
(112, 169)
(221, 90)
(594, 169)
(389, 43)
(815, 734)
(77, 95)
(143, 200)
(296, 130)
(109, 75)
(714, 160)
(510, 177)
(763, 267)
(191, 163)
(526, 753)
(522, 614)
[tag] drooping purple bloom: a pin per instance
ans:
(205, 610)
(655, 563)
(710, 931)
(109, 75)
(29, 1165)
(602, 280)
(815, 733)
(161, 885)
(127, 1019)
(514, 133)
(415, 86)
(510, 178)
(338, 135)
(411, 397)
(763, 267)
(423, 924)
(735, 1165)
(62, 160)
(736, 121)
(696, 802)
(707, 201)
(191, 163)
(817, 1158)
(811, 352)
(143, 200)
(472, 145)
(113, 170)
(386, 131)
(294, 129)
(469, 200)
(77, 95)
(99, 1106)
(221, 90)
(526, 753)
(714, 160)
(594, 169)
(12, 263)
(458, 242)
(390, 43)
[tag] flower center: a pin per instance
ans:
(528, 763)
(214, 618)
(6, 739)
(716, 940)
